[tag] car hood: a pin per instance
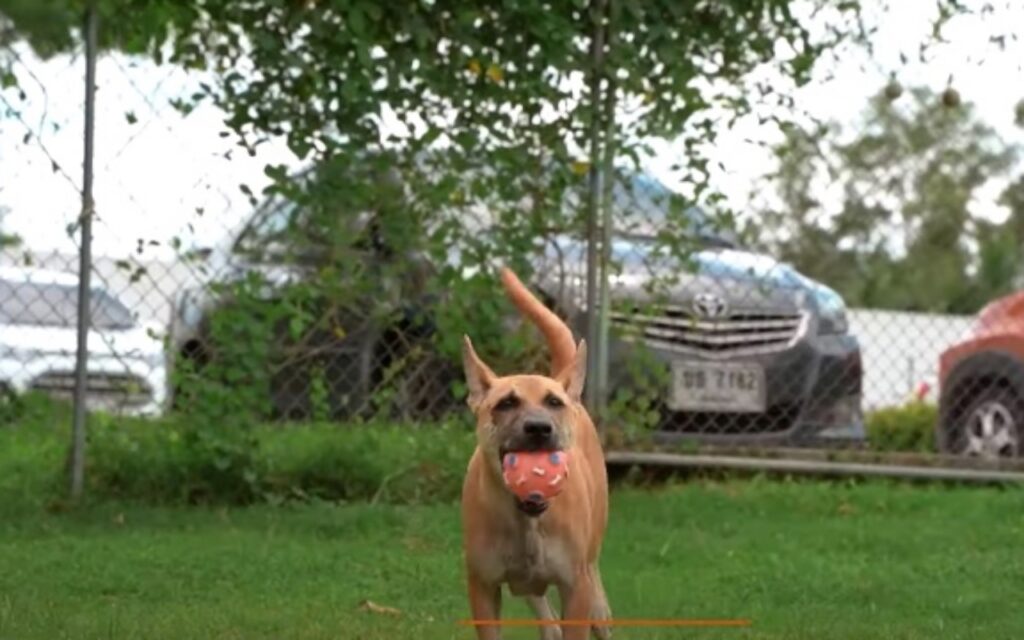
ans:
(136, 342)
(746, 280)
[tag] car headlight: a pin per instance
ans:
(831, 312)
(189, 312)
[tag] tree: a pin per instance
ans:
(474, 103)
(885, 217)
(500, 107)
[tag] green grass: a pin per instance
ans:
(802, 560)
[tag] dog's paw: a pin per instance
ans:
(550, 632)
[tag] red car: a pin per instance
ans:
(981, 382)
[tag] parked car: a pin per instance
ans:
(38, 340)
(756, 352)
(981, 384)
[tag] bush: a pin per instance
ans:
(181, 460)
(34, 440)
(367, 462)
(167, 462)
(910, 427)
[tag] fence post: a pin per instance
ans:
(607, 200)
(594, 194)
(77, 469)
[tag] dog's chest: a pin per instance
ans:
(530, 560)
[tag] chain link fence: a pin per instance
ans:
(848, 291)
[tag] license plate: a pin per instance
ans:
(724, 387)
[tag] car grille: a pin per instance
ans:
(123, 388)
(739, 333)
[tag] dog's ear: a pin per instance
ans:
(479, 376)
(574, 376)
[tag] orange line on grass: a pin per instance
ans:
(622, 622)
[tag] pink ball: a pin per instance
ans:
(536, 475)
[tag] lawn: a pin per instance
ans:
(800, 559)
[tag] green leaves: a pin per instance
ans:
(902, 235)
(482, 111)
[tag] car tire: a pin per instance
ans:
(420, 391)
(989, 425)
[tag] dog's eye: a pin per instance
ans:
(507, 403)
(553, 402)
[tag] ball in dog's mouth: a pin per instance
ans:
(535, 477)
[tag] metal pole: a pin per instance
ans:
(593, 202)
(85, 259)
(607, 200)
(809, 467)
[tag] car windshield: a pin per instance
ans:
(268, 225)
(644, 204)
(55, 305)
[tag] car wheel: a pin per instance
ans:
(420, 386)
(990, 425)
(423, 392)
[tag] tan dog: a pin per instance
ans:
(532, 546)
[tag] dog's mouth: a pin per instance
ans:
(532, 508)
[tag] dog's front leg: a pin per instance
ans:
(577, 605)
(485, 604)
(542, 609)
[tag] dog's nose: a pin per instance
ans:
(537, 429)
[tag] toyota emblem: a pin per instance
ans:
(710, 306)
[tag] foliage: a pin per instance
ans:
(33, 441)
(229, 383)
(390, 463)
(910, 427)
(634, 408)
(177, 461)
(904, 236)
(7, 239)
(444, 138)
(172, 462)
(476, 111)
(440, 139)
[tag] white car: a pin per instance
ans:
(126, 371)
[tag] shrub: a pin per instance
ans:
(366, 462)
(910, 427)
(168, 462)
(179, 459)
(34, 440)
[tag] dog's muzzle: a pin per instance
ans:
(535, 434)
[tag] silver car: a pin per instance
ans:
(126, 370)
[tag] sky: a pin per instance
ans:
(160, 175)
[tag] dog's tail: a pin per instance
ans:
(558, 336)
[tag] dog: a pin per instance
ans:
(531, 546)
